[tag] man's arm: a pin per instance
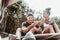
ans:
(26, 29)
(38, 30)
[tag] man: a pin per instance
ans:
(49, 26)
(27, 26)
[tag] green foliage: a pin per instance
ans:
(58, 22)
(18, 9)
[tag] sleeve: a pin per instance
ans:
(23, 25)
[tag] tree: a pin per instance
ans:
(16, 15)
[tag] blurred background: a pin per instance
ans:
(13, 13)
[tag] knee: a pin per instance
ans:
(50, 26)
(18, 29)
(32, 29)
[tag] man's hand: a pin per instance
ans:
(38, 30)
(32, 25)
(51, 22)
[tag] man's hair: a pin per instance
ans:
(29, 15)
(47, 10)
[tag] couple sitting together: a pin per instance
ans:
(31, 27)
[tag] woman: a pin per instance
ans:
(49, 26)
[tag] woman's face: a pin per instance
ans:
(46, 16)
